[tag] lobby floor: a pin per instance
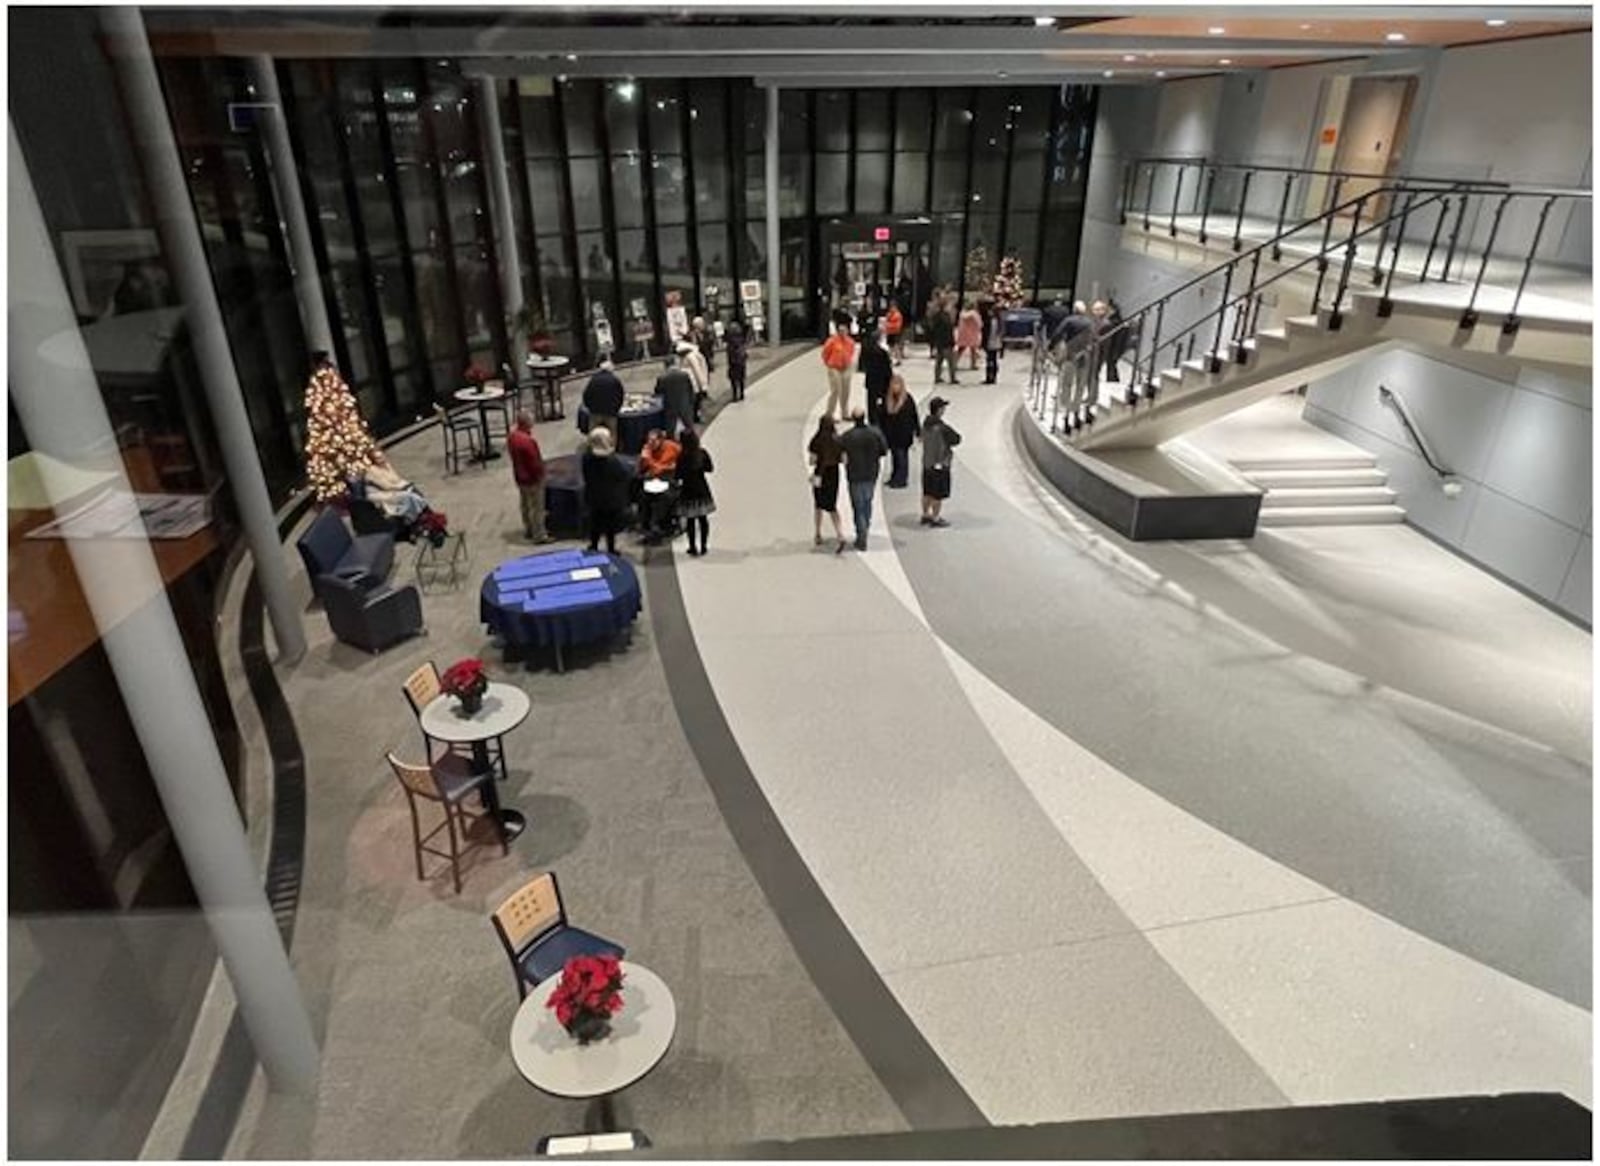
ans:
(1112, 829)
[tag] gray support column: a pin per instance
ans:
(505, 230)
(58, 400)
(774, 268)
(180, 242)
(291, 207)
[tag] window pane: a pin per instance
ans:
(911, 119)
(711, 186)
(910, 182)
(627, 191)
(436, 305)
(949, 181)
(479, 299)
(708, 113)
(1022, 239)
(833, 184)
(638, 280)
(794, 120)
(544, 185)
(622, 116)
(421, 211)
(667, 174)
(993, 115)
(672, 244)
(833, 120)
(794, 180)
(988, 177)
(1031, 110)
(1027, 179)
(954, 123)
(948, 260)
(586, 193)
(556, 275)
(666, 130)
(872, 119)
(714, 265)
(872, 183)
(793, 267)
(578, 103)
(469, 217)
(539, 123)
(595, 248)
(754, 105)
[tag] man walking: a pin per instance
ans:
(942, 335)
(864, 449)
(527, 467)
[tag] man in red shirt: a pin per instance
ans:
(527, 465)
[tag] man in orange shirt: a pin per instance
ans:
(893, 324)
(839, 354)
(657, 462)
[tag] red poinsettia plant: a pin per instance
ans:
(465, 680)
(477, 374)
(588, 996)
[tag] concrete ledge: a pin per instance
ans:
(1169, 493)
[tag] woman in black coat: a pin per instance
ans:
(605, 490)
(695, 504)
(900, 427)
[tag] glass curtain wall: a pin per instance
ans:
(626, 191)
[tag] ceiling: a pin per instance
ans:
(837, 44)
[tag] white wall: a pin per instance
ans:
(1518, 438)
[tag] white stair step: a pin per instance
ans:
(1274, 479)
(1331, 516)
(1280, 498)
(1271, 338)
(1351, 461)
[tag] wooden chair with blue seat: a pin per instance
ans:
(532, 926)
(447, 783)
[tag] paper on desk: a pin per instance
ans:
(585, 573)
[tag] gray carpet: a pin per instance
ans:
(412, 995)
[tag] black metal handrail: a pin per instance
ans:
(1143, 329)
(1397, 402)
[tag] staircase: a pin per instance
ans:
(1322, 491)
(1326, 322)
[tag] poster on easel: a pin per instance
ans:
(677, 316)
(602, 328)
(750, 298)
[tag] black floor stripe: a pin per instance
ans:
(223, 1099)
(925, 1090)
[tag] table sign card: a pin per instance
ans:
(585, 573)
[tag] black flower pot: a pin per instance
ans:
(470, 704)
(590, 1027)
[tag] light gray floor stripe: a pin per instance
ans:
(926, 1092)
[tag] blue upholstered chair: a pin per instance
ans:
(370, 619)
(327, 549)
(532, 926)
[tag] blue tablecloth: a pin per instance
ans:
(534, 601)
(635, 427)
(563, 492)
(1019, 323)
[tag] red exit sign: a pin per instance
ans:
(880, 234)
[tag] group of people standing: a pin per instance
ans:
(1087, 340)
(978, 327)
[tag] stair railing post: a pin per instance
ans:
(1122, 209)
(1383, 240)
(1514, 321)
(1469, 318)
(1283, 213)
(1385, 304)
(1151, 384)
(1327, 231)
(1444, 213)
(1177, 193)
(1238, 218)
(1455, 237)
(1205, 201)
(1149, 195)
(1336, 316)
(1214, 358)
(1242, 320)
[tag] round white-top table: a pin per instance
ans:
(548, 398)
(481, 397)
(552, 1060)
(505, 706)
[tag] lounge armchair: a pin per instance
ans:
(370, 619)
(327, 549)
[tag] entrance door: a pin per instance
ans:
(1373, 133)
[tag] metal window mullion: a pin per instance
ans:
(966, 199)
(497, 315)
(430, 145)
(691, 215)
(647, 188)
(608, 210)
(569, 236)
(408, 270)
(526, 188)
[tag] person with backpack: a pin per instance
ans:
(939, 440)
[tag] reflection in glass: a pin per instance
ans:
(872, 183)
(668, 177)
(833, 184)
(912, 107)
(586, 206)
(711, 185)
(833, 120)
(622, 100)
(794, 178)
(662, 107)
(578, 103)
(627, 190)
(910, 182)
(708, 111)
(545, 189)
(872, 120)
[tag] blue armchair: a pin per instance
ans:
(328, 549)
(370, 619)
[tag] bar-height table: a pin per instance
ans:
(505, 706)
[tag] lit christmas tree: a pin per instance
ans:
(338, 445)
(1007, 286)
(979, 270)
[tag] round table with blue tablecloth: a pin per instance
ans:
(559, 598)
(563, 492)
(635, 422)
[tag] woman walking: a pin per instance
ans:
(993, 339)
(938, 445)
(695, 504)
(899, 430)
(605, 490)
(969, 335)
(826, 454)
(738, 359)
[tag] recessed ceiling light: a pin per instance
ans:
(572, 56)
(1044, 22)
(1216, 30)
(1129, 57)
(1226, 61)
(1394, 36)
(1497, 23)
(1305, 28)
(1001, 74)
(1161, 72)
(625, 91)
(1109, 73)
